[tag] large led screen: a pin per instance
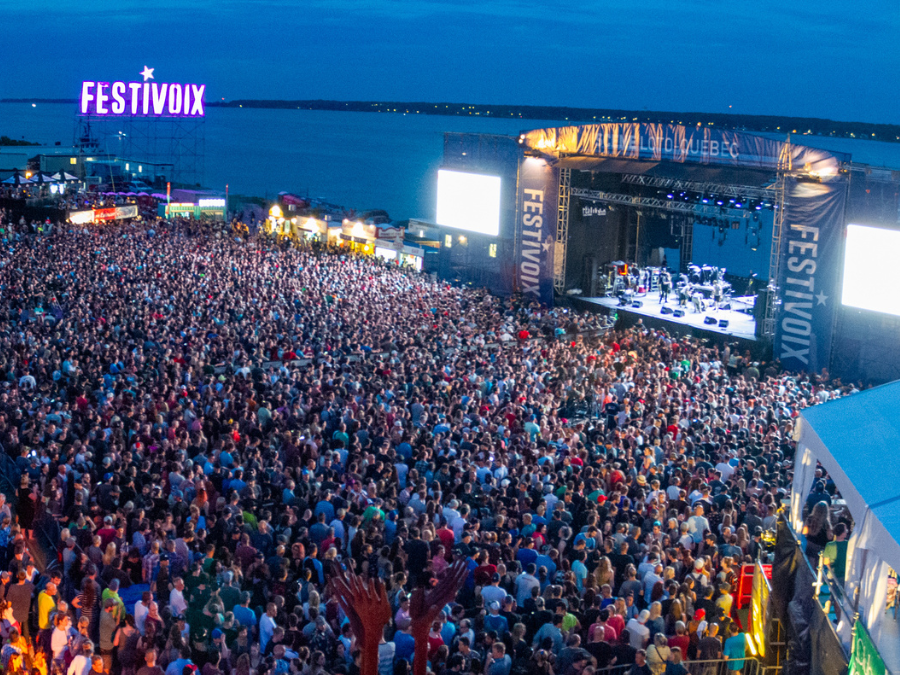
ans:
(469, 201)
(871, 269)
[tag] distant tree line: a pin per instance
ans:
(6, 141)
(735, 122)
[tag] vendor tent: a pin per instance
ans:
(16, 179)
(856, 440)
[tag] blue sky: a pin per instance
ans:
(821, 59)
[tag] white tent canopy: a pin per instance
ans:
(857, 441)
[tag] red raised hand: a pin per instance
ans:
(425, 607)
(367, 609)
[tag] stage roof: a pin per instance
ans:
(577, 146)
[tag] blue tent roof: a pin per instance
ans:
(862, 433)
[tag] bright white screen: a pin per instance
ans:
(871, 272)
(469, 201)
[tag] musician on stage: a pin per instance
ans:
(665, 285)
(699, 305)
(717, 294)
(684, 292)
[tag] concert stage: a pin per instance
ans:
(740, 325)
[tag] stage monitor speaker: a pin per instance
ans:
(723, 323)
(665, 309)
(710, 320)
(637, 303)
(678, 313)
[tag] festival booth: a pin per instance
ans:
(855, 440)
(202, 208)
(103, 215)
(390, 246)
(309, 229)
(356, 236)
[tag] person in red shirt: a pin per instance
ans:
(485, 570)
(681, 638)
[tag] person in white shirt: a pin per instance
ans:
(725, 469)
(176, 598)
(638, 632)
(141, 609)
(697, 524)
(81, 664)
(59, 639)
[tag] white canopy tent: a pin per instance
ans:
(857, 441)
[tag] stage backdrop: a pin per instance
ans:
(811, 260)
(536, 217)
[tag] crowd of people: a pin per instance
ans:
(216, 426)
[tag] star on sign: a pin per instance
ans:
(821, 297)
(546, 245)
(147, 73)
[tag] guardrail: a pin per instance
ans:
(751, 666)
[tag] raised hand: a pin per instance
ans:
(424, 608)
(367, 609)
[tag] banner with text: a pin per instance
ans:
(536, 229)
(678, 143)
(864, 656)
(807, 287)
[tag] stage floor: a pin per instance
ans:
(740, 325)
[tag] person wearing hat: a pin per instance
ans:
(493, 592)
(639, 634)
(494, 620)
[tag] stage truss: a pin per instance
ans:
(562, 231)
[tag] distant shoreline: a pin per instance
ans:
(802, 126)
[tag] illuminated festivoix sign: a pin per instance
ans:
(142, 98)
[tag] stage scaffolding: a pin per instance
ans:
(176, 141)
(562, 231)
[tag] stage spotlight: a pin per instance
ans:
(719, 202)
(670, 196)
(705, 200)
(738, 205)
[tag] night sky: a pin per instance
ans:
(827, 58)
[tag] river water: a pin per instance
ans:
(358, 160)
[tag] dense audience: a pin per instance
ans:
(211, 426)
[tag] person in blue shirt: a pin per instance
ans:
(404, 643)
(498, 662)
(496, 621)
(243, 615)
(325, 506)
(544, 560)
(735, 649)
(526, 553)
